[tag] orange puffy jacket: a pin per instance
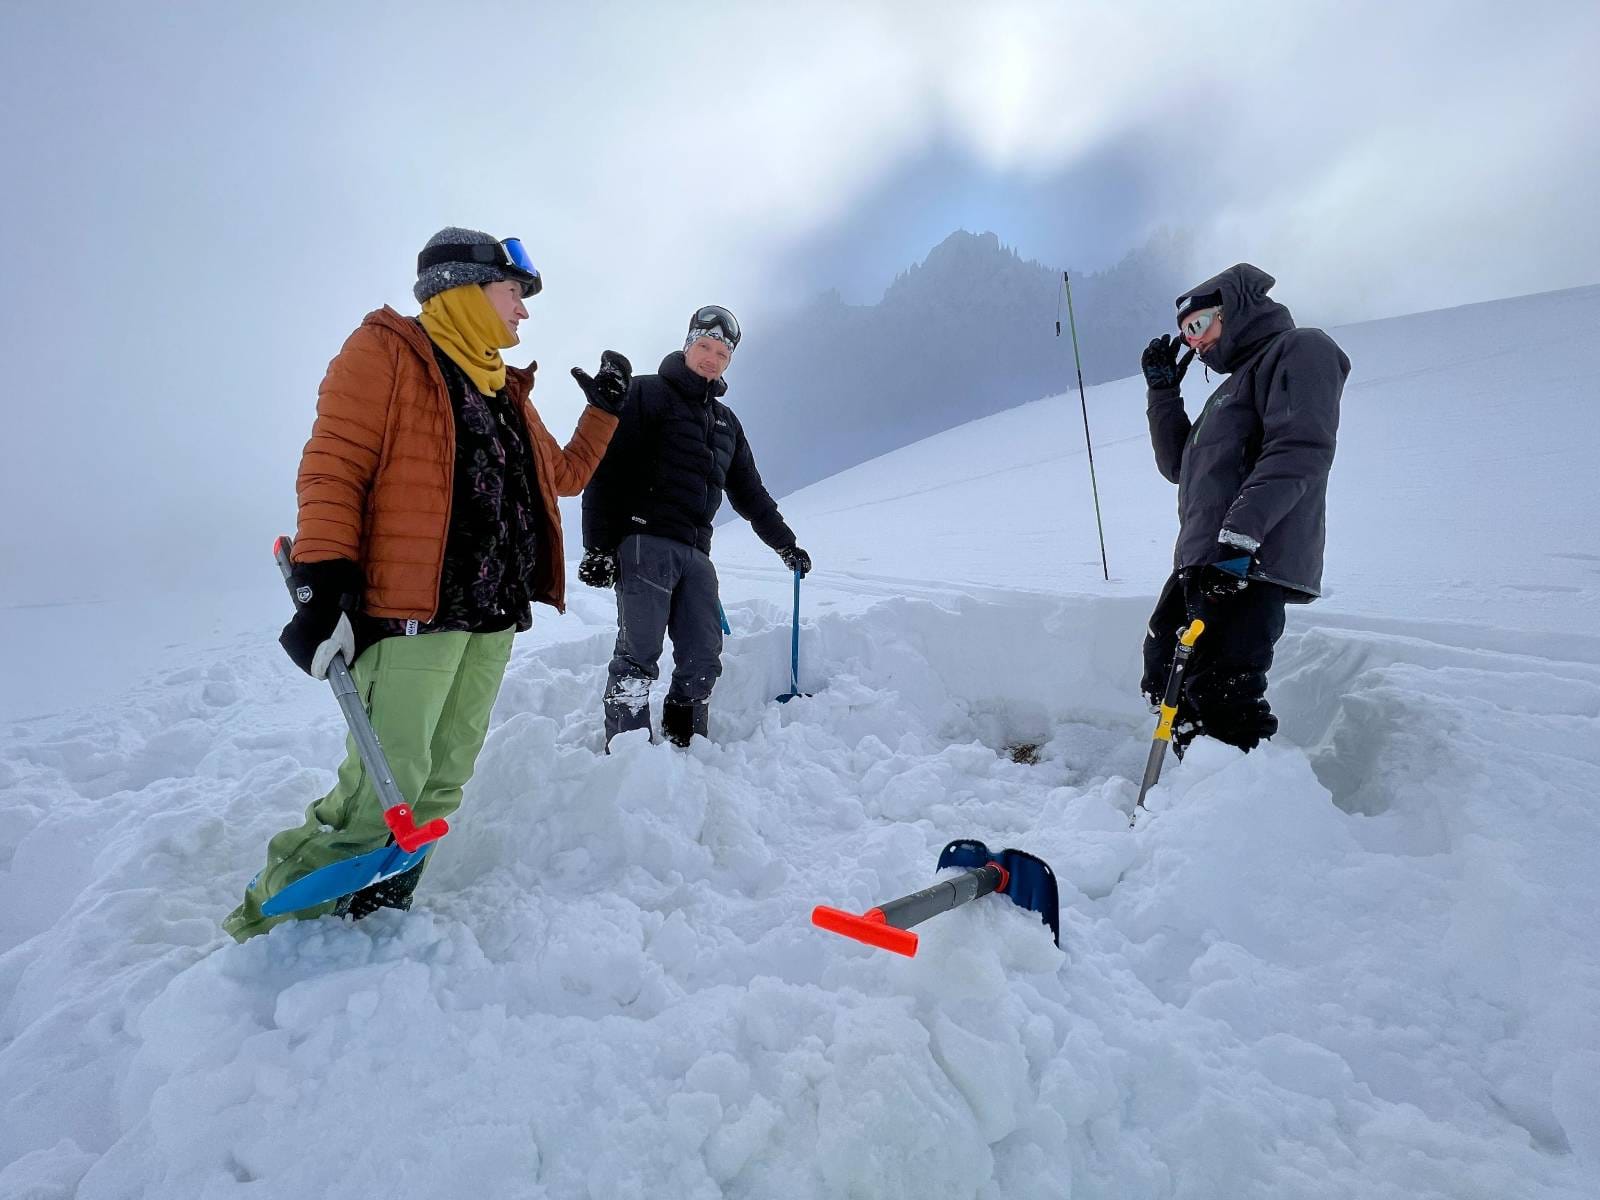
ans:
(375, 479)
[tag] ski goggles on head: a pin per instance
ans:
(1197, 322)
(509, 255)
(713, 318)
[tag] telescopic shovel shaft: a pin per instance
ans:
(1169, 711)
(794, 640)
(888, 926)
(397, 814)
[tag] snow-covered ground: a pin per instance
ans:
(1360, 962)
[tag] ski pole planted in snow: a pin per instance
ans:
(1027, 881)
(794, 650)
(1169, 710)
(1072, 321)
(411, 843)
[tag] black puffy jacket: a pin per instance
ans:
(677, 449)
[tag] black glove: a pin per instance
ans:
(796, 559)
(608, 387)
(598, 568)
(1228, 574)
(325, 594)
(1160, 362)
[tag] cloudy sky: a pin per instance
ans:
(200, 200)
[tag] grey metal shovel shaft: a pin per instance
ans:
(349, 697)
(1169, 712)
(941, 897)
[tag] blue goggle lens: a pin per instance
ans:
(517, 256)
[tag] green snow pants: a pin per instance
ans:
(429, 699)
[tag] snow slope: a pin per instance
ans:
(1357, 963)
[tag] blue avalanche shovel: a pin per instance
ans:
(1017, 875)
(409, 844)
(794, 651)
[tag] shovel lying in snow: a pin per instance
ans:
(1027, 881)
(411, 843)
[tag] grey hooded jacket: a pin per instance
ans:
(1255, 461)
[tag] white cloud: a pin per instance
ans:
(204, 201)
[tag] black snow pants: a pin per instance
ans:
(1225, 685)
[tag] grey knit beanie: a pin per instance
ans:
(444, 276)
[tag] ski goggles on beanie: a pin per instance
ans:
(1195, 302)
(1196, 323)
(509, 256)
(714, 321)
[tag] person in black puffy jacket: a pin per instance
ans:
(647, 517)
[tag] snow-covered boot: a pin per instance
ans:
(627, 706)
(394, 892)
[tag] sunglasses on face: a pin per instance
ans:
(1196, 323)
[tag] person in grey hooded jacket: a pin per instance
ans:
(1252, 475)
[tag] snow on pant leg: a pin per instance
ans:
(404, 685)
(647, 570)
(1171, 614)
(696, 632)
(1225, 687)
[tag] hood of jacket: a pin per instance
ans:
(1249, 318)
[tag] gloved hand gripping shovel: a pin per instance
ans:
(1025, 880)
(1169, 712)
(410, 843)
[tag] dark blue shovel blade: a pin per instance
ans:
(1032, 884)
(340, 879)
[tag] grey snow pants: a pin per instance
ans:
(664, 587)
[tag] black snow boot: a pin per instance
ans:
(681, 720)
(394, 892)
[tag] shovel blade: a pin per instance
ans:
(340, 879)
(1032, 884)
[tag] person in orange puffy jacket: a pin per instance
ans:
(428, 528)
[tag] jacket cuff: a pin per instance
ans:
(1240, 541)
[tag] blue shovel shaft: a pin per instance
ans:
(794, 641)
(794, 649)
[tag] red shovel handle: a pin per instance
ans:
(869, 928)
(404, 827)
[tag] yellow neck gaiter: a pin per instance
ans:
(463, 324)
